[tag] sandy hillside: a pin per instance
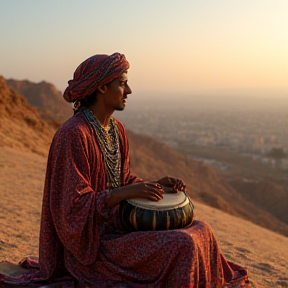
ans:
(24, 128)
(22, 174)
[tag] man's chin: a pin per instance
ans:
(120, 108)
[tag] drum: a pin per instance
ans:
(174, 211)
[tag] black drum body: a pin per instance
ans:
(175, 211)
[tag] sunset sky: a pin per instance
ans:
(177, 47)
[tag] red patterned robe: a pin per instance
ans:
(82, 236)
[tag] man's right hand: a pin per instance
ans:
(147, 190)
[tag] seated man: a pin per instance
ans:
(88, 175)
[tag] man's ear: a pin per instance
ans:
(102, 89)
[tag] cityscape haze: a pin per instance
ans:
(247, 126)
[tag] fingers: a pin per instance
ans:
(155, 186)
(175, 183)
(153, 191)
(181, 186)
(178, 184)
(153, 198)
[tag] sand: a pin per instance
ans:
(22, 174)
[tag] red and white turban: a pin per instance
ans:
(94, 72)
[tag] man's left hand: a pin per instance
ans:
(175, 183)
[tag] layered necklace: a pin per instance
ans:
(108, 141)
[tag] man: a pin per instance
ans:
(88, 175)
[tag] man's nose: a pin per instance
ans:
(128, 89)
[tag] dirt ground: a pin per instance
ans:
(263, 252)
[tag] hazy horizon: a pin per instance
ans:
(246, 93)
(236, 48)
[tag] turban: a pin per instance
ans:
(94, 72)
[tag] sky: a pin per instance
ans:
(183, 47)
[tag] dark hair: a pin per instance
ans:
(85, 102)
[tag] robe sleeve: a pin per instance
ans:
(102, 208)
(77, 211)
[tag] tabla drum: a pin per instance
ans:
(174, 211)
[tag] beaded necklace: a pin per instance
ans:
(108, 141)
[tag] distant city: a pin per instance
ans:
(250, 127)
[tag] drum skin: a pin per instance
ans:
(135, 218)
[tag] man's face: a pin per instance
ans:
(117, 92)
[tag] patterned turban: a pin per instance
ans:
(94, 72)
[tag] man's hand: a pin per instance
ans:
(147, 190)
(175, 183)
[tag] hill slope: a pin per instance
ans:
(45, 96)
(263, 252)
(149, 158)
(266, 187)
(21, 125)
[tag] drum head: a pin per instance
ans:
(170, 201)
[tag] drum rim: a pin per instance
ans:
(154, 206)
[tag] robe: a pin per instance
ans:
(82, 237)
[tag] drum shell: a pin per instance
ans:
(135, 218)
